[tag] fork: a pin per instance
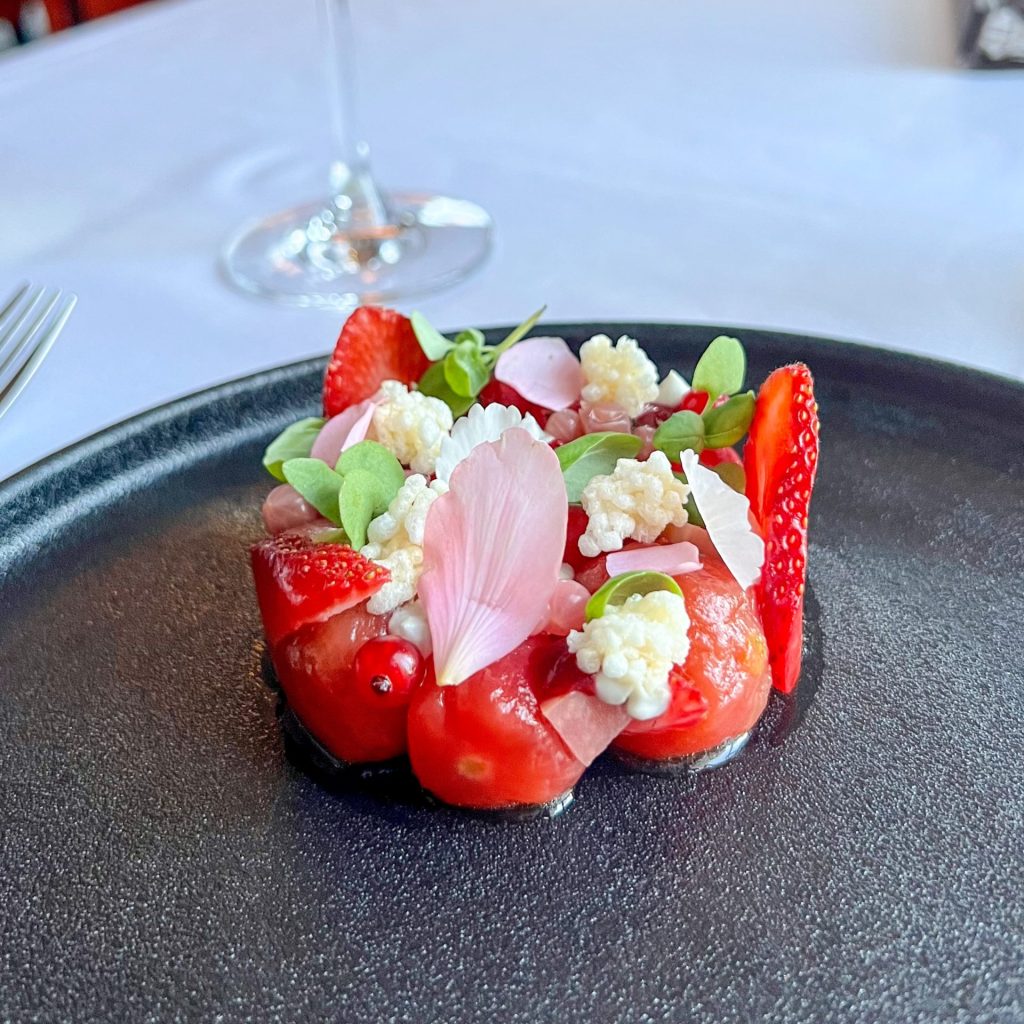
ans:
(29, 324)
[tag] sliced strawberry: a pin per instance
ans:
(375, 345)
(781, 460)
(299, 581)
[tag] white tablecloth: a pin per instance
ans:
(821, 167)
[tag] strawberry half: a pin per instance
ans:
(375, 345)
(781, 460)
(299, 581)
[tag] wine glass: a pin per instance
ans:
(359, 244)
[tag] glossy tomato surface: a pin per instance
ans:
(485, 744)
(315, 669)
(727, 665)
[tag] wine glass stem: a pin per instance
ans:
(354, 194)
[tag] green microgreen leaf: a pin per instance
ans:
(465, 370)
(373, 458)
(470, 335)
(721, 369)
(733, 475)
(371, 476)
(680, 431)
(434, 384)
(356, 501)
(518, 334)
(593, 455)
(317, 483)
(294, 442)
(618, 588)
(434, 344)
(330, 535)
(725, 425)
(692, 512)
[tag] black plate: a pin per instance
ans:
(160, 857)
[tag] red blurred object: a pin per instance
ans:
(97, 8)
(65, 13)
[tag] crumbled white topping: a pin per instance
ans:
(672, 390)
(566, 572)
(619, 373)
(409, 621)
(479, 425)
(411, 425)
(395, 540)
(637, 501)
(631, 648)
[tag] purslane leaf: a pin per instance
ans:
(434, 344)
(471, 334)
(593, 455)
(465, 370)
(733, 475)
(618, 588)
(434, 384)
(373, 458)
(317, 483)
(721, 369)
(725, 425)
(330, 535)
(295, 442)
(371, 477)
(680, 431)
(356, 501)
(462, 368)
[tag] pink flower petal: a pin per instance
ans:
(671, 559)
(492, 550)
(544, 371)
(586, 724)
(340, 432)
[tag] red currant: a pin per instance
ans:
(387, 669)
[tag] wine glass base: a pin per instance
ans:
(299, 258)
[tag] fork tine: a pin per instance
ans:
(11, 350)
(12, 302)
(39, 353)
(10, 331)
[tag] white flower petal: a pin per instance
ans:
(480, 425)
(726, 515)
(672, 390)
